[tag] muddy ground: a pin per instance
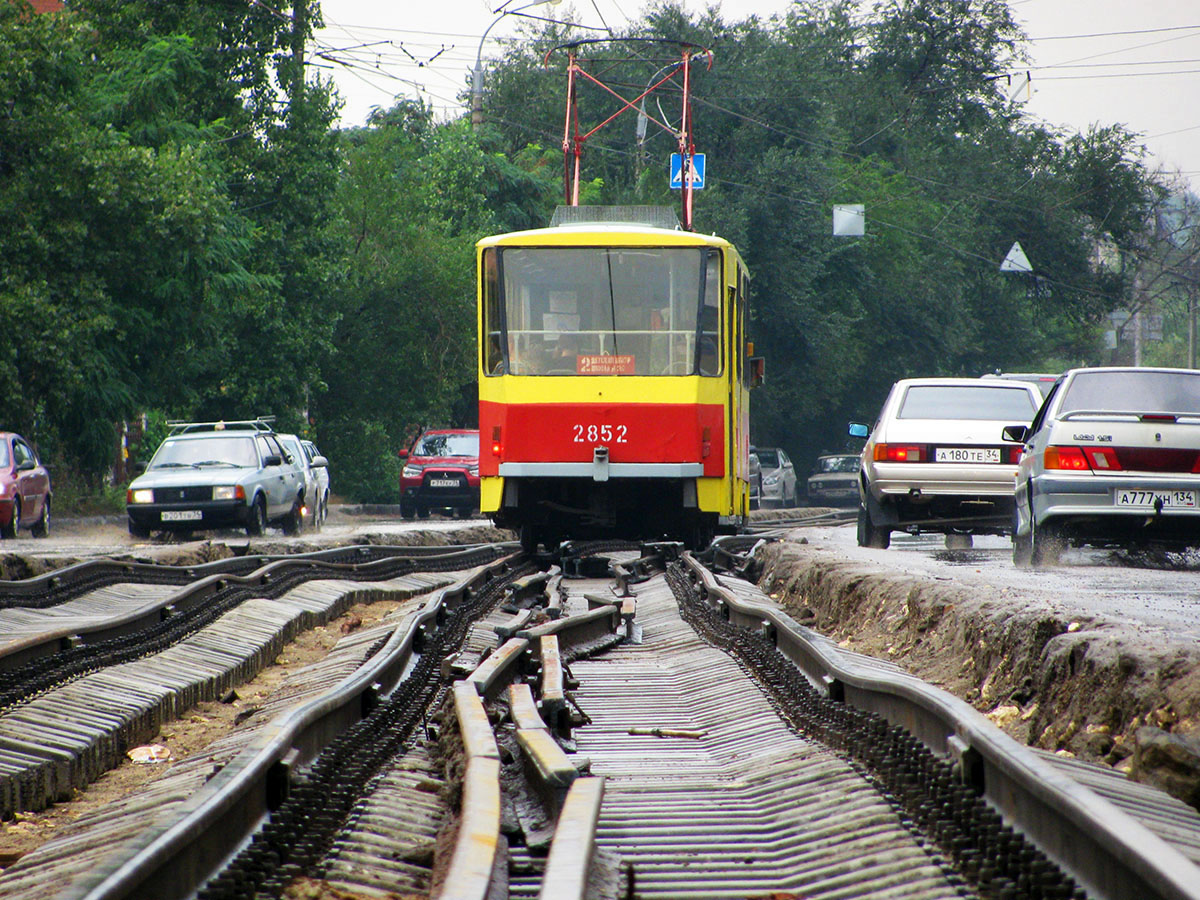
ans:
(1086, 687)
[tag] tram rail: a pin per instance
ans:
(943, 803)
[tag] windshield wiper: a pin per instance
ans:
(214, 462)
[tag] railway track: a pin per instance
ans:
(616, 723)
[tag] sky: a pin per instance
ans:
(1091, 61)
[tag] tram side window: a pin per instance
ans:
(710, 318)
(493, 325)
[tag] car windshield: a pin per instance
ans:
(4, 454)
(967, 401)
(215, 451)
(448, 445)
(839, 464)
(768, 458)
(1136, 392)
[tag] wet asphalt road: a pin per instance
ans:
(1139, 593)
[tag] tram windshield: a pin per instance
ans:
(605, 311)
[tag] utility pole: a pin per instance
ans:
(299, 35)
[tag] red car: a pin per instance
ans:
(24, 488)
(441, 471)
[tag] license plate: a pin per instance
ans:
(443, 482)
(1149, 499)
(967, 454)
(181, 515)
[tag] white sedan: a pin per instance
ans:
(1113, 458)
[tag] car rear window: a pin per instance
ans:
(967, 401)
(1136, 392)
(448, 445)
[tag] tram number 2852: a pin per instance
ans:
(591, 434)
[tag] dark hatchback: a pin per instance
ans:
(441, 471)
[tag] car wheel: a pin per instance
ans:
(1046, 543)
(41, 527)
(10, 530)
(959, 541)
(138, 531)
(258, 518)
(871, 535)
(294, 520)
(465, 512)
(315, 517)
(408, 511)
(324, 509)
(423, 512)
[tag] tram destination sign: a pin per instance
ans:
(696, 176)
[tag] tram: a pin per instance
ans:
(614, 377)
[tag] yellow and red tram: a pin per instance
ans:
(613, 379)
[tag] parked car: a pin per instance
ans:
(1112, 459)
(835, 479)
(441, 471)
(217, 475)
(756, 481)
(25, 491)
(1042, 380)
(778, 478)
(309, 467)
(311, 451)
(935, 461)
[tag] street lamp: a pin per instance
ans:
(477, 75)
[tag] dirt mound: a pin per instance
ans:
(1086, 687)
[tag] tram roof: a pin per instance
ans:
(599, 234)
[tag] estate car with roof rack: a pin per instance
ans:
(226, 474)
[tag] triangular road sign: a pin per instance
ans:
(1016, 261)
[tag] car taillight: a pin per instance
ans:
(901, 453)
(1103, 459)
(1014, 454)
(1069, 458)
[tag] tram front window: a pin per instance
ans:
(611, 311)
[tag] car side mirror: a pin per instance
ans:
(25, 465)
(273, 460)
(403, 454)
(859, 431)
(319, 462)
(1018, 433)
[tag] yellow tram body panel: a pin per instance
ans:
(613, 391)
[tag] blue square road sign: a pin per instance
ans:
(697, 171)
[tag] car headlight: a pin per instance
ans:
(228, 492)
(773, 478)
(473, 470)
(141, 495)
(411, 472)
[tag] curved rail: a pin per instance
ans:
(172, 859)
(1107, 851)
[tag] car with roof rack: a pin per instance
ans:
(224, 474)
(1112, 459)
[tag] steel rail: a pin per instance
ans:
(54, 588)
(59, 637)
(1107, 851)
(172, 859)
